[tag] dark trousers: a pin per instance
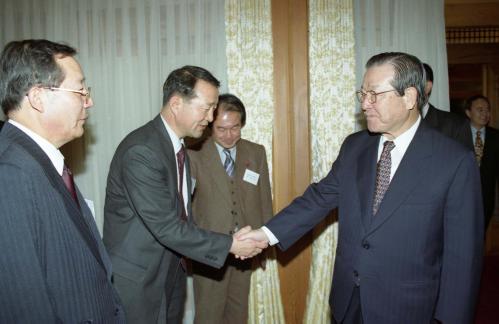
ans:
(173, 299)
(353, 314)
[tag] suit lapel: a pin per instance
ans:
(168, 153)
(406, 177)
(243, 161)
(74, 213)
(487, 144)
(218, 174)
(366, 179)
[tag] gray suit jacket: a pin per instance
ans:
(143, 231)
(420, 256)
(53, 265)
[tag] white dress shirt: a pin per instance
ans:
(52, 152)
(177, 145)
(473, 134)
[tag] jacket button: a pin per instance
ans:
(366, 245)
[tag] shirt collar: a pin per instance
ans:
(482, 129)
(52, 152)
(403, 140)
(221, 149)
(425, 109)
(176, 141)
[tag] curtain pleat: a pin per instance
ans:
(250, 76)
(332, 118)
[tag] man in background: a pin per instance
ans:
(447, 123)
(410, 238)
(232, 189)
(486, 147)
(148, 228)
(53, 265)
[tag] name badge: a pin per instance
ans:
(251, 177)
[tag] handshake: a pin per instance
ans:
(247, 243)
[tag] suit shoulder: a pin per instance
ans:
(444, 145)
(251, 145)
(146, 135)
(449, 117)
(359, 137)
(493, 132)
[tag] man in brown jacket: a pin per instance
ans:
(232, 189)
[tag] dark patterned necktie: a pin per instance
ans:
(181, 163)
(383, 174)
(67, 177)
(478, 147)
(229, 163)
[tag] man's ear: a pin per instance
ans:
(176, 102)
(468, 113)
(410, 98)
(35, 98)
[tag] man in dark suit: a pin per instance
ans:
(53, 265)
(486, 147)
(410, 232)
(447, 123)
(148, 224)
(232, 189)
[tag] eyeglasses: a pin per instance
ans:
(85, 93)
(371, 95)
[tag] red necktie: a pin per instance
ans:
(181, 163)
(183, 215)
(67, 177)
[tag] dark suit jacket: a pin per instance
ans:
(489, 171)
(420, 256)
(450, 124)
(143, 231)
(53, 265)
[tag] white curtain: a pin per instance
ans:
(415, 27)
(250, 76)
(332, 118)
(126, 48)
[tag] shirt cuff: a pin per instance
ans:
(272, 239)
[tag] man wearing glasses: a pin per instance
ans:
(53, 265)
(409, 210)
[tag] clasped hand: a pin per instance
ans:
(247, 243)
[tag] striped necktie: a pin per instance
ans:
(229, 163)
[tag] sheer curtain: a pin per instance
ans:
(126, 48)
(332, 118)
(415, 27)
(250, 76)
